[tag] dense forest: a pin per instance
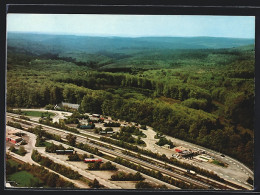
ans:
(198, 89)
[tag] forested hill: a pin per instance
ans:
(203, 94)
(121, 52)
(58, 43)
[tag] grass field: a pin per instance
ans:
(17, 151)
(24, 179)
(47, 144)
(218, 163)
(38, 113)
(13, 163)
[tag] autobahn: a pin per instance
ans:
(205, 183)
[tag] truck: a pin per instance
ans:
(191, 172)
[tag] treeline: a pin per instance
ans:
(146, 185)
(21, 121)
(112, 124)
(89, 149)
(42, 134)
(98, 80)
(127, 137)
(156, 174)
(51, 148)
(14, 124)
(58, 125)
(122, 176)
(102, 166)
(63, 170)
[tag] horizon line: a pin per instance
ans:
(120, 36)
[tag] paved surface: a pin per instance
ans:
(27, 158)
(99, 175)
(236, 172)
(102, 174)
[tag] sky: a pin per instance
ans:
(134, 25)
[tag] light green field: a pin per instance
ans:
(38, 113)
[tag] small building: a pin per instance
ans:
(96, 115)
(69, 105)
(13, 139)
(180, 149)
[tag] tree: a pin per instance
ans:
(143, 185)
(22, 151)
(12, 149)
(138, 176)
(250, 181)
(55, 95)
(74, 157)
(94, 184)
(51, 179)
(71, 139)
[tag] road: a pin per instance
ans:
(27, 159)
(120, 148)
(165, 171)
(121, 167)
(235, 172)
(81, 170)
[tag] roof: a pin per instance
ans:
(75, 106)
(14, 137)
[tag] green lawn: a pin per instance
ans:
(37, 113)
(24, 179)
(218, 163)
(47, 144)
(13, 163)
(17, 151)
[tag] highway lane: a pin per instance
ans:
(135, 160)
(166, 171)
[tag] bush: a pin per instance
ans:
(94, 184)
(52, 148)
(122, 176)
(15, 125)
(74, 157)
(101, 166)
(49, 107)
(250, 181)
(162, 141)
(143, 185)
(12, 149)
(112, 124)
(22, 151)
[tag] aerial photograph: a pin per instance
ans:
(130, 102)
